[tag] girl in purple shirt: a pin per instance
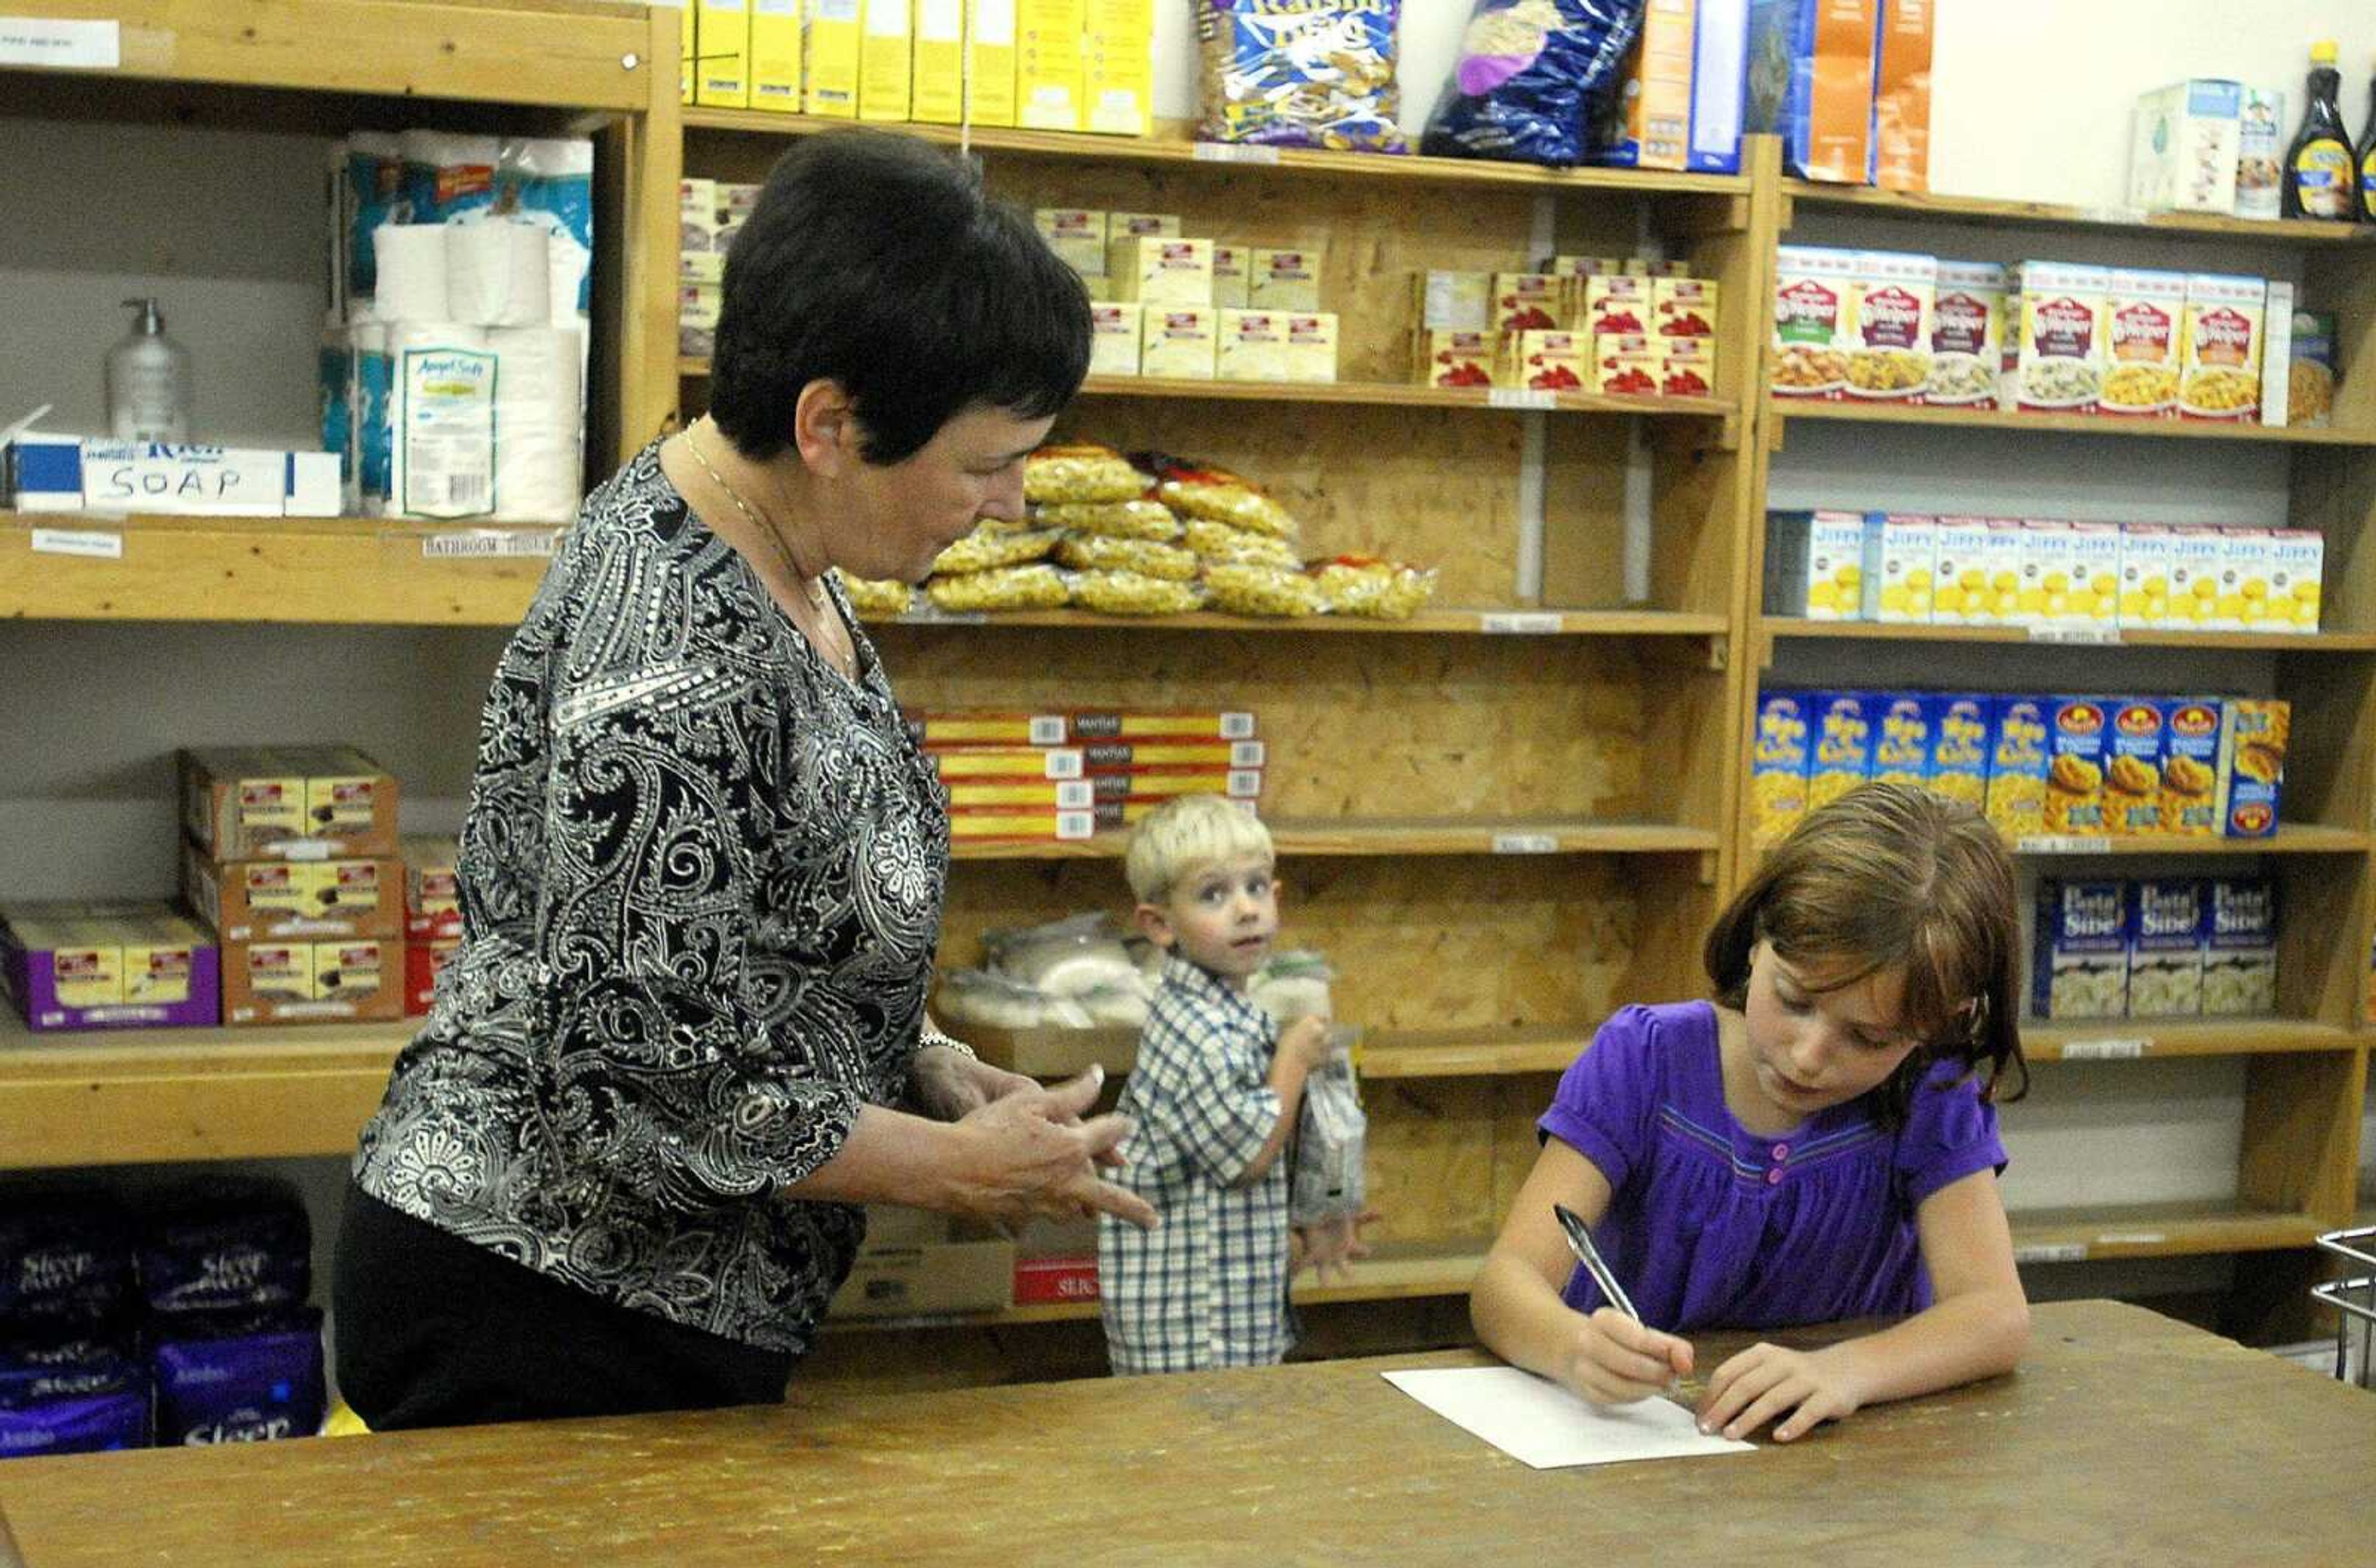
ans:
(1821, 1143)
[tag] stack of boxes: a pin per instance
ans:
(1165, 304)
(432, 917)
(710, 213)
(1043, 64)
(2044, 574)
(2158, 948)
(1577, 323)
(2083, 766)
(1021, 777)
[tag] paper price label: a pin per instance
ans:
(60, 45)
(2131, 1239)
(1520, 398)
(1526, 843)
(88, 543)
(2051, 1251)
(2106, 1049)
(483, 543)
(2083, 637)
(2063, 844)
(1523, 623)
(1230, 152)
(304, 850)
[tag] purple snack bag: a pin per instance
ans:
(68, 1369)
(62, 1262)
(230, 1249)
(92, 1425)
(242, 1387)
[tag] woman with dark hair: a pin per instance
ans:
(684, 1036)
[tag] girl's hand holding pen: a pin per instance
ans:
(1612, 1360)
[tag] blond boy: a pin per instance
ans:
(1216, 1093)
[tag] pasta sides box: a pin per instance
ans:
(2080, 968)
(2240, 948)
(2166, 948)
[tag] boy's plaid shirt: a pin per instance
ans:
(1207, 1287)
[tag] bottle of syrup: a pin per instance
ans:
(2322, 176)
(2364, 162)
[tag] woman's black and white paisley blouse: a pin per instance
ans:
(701, 887)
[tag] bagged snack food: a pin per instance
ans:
(1217, 495)
(1262, 591)
(1115, 519)
(1525, 71)
(1098, 553)
(1037, 587)
(1387, 590)
(1299, 72)
(1135, 593)
(1068, 956)
(1221, 542)
(1081, 471)
(877, 601)
(975, 996)
(987, 549)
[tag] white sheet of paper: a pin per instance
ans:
(1538, 1422)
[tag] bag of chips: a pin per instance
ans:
(1384, 591)
(1221, 542)
(1300, 73)
(875, 601)
(1262, 591)
(1528, 72)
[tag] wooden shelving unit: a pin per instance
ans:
(1432, 836)
(1870, 201)
(1785, 628)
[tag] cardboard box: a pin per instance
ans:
(2143, 315)
(1779, 765)
(276, 900)
(1626, 367)
(1114, 736)
(423, 962)
(1688, 368)
(2252, 740)
(886, 61)
(2240, 948)
(2132, 767)
(433, 887)
(2081, 967)
(2017, 764)
(1967, 325)
(2219, 353)
(1902, 740)
(688, 52)
(2277, 355)
(209, 481)
(42, 473)
(356, 979)
(2184, 143)
(1619, 307)
(1684, 307)
(722, 36)
(1959, 746)
(2148, 562)
(1253, 345)
(1901, 568)
(938, 98)
(1889, 337)
(2249, 559)
(776, 55)
(1455, 359)
(2078, 747)
(1050, 65)
(2166, 948)
(1821, 558)
(1312, 345)
(2198, 557)
(2191, 731)
(1814, 304)
(2261, 134)
(1844, 725)
(2002, 562)
(1529, 302)
(2297, 570)
(1114, 337)
(1054, 1053)
(990, 61)
(2095, 592)
(1117, 68)
(2057, 354)
(1821, 103)
(108, 965)
(1143, 226)
(1650, 123)
(1452, 301)
(2045, 564)
(1161, 271)
(1179, 341)
(1077, 235)
(1961, 595)
(1284, 280)
(1901, 97)
(1232, 284)
(1054, 1281)
(292, 802)
(929, 1278)
(833, 50)
(1547, 362)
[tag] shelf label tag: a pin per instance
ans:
(464, 544)
(1232, 152)
(1523, 623)
(1521, 397)
(60, 45)
(87, 543)
(2131, 1239)
(2051, 1251)
(2086, 636)
(2106, 1049)
(2063, 844)
(1526, 843)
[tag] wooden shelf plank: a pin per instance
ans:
(1794, 628)
(2292, 838)
(1403, 835)
(1866, 200)
(2156, 1230)
(1787, 410)
(2120, 1039)
(138, 1096)
(1172, 146)
(1461, 1053)
(1434, 622)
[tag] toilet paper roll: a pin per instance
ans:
(411, 262)
(498, 273)
(444, 377)
(539, 414)
(570, 264)
(373, 416)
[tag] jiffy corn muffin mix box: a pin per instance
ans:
(2001, 560)
(2046, 563)
(2094, 597)
(2148, 557)
(1901, 567)
(2297, 565)
(1960, 597)
(2197, 557)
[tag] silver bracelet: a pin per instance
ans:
(931, 1037)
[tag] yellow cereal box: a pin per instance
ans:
(1049, 63)
(886, 61)
(776, 55)
(1547, 361)
(1524, 301)
(2219, 356)
(1777, 769)
(939, 91)
(990, 61)
(1844, 725)
(831, 51)
(2017, 764)
(722, 36)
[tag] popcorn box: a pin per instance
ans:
(1525, 301)
(2198, 555)
(1779, 766)
(2253, 732)
(1284, 280)
(1231, 278)
(1901, 568)
(1618, 306)
(2166, 948)
(1453, 302)
(1682, 307)
(2296, 565)
(2002, 559)
(2017, 764)
(2143, 313)
(2081, 969)
(1178, 341)
(2132, 767)
(1253, 345)
(1960, 597)
(1077, 235)
(1455, 359)
(1312, 345)
(2046, 551)
(2095, 592)
(2148, 559)
(2191, 731)
(2250, 556)
(1114, 337)
(2077, 742)
(1157, 271)
(2240, 948)
(1902, 739)
(1844, 724)
(2219, 353)
(1547, 361)
(1958, 767)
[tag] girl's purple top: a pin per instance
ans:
(1711, 1225)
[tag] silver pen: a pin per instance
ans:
(1579, 1241)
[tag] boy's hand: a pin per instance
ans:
(1307, 1040)
(1331, 1245)
(1611, 1360)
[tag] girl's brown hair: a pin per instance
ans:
(1893, 877)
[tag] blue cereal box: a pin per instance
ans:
(2190, 729)
(1844, 726)
(2017, 762)
(2077, 737)
(1778, 768)
(2132, 766)
(2081, 970)
(2240, 948)
(1901, 745)
(2166, 948)
(2253, 765)
(1959, 745)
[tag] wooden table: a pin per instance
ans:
(2126, 1437)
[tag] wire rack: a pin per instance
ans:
(2353, 1298)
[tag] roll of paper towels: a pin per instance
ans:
(445, 378)
(498, 273)
(375, 414)
(539, 413)
(412, 263)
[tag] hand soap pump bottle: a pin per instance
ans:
(147, 381)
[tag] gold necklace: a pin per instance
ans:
(812, 587)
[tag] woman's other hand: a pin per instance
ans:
(1030, 1152)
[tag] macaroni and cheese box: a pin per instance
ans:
(1160, 270)
(1253, 345)
(2077, 742)
(776, 55)
(1844, 725)
(2046, 547)
(1968, 330)
(1902, 739)
(832, 47)
(2094, 597)
(1779, 767)
(287, 802)
(1814, 294)
(276, 901)
(2081, 967)
(990, 61)
(1959, 746)
(2166, 948)
(2240, 948)
(109, 964)
(1114, 340)
(1312, 345)
(1960, 597)
(1282, 279)
(2297, 568)
(2017, 763)
(1901, 567)
(2143, 313)
(1178, 341)
(2219, 354)
(2057, 355)
(2190, 765)
(1889, 340)
(2148, 557)
(359, 979)
(2132, 767)
(723, 40)
(2253, 732)
(2198, 555)
(1077, 236)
